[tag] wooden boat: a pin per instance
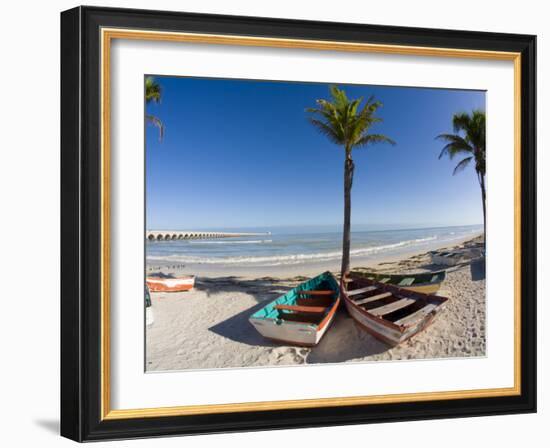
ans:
(426, 282)
(302, 315)
(389, 313)
(171, 284)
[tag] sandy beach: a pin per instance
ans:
(208, 327)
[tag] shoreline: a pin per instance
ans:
(208, 327)
(312, 268)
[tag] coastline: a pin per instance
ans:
(308, 269)
(208, 327)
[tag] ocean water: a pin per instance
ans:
(285, 247)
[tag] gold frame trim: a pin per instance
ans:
(107, 35)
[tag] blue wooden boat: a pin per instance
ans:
(302, 315)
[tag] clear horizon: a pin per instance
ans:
(220, 164)
(336, 227)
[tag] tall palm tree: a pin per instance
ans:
(344, 123)
(153, 93)
(468, 140)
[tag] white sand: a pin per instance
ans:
(208, 327)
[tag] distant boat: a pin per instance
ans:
(302, 315)
(389, 313)
(426, 282)
(454, 257)
(171, 284)
(149, 315)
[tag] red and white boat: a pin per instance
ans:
(175, 284)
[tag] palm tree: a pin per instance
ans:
(345, 124)
(468, 140)
(153, 93)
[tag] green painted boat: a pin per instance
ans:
(302, 315)
(426, 282)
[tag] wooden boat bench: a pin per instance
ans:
(303, 309)
(355, 292)
(373, 298)
(317, 293)
(417, 316)
(391, 307)
(315, 301)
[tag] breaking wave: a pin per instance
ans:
(287, 259)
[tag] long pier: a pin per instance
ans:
(165, 235)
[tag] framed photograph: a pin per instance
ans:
(278, 224)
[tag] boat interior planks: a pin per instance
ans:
(303, 308)
(361, 290)
(391, 313)
(391, 307)
(416, 316)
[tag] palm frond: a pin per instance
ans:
(153, 90)
(155, 121)
(462, 164)
(468, 139)
(327, 130)
(456, 145)
(370, 139)
(345, 122)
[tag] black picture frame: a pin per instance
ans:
(81, 224)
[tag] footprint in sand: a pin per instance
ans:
(287, 355)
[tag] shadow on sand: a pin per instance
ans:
(239, 329)
(262, 289)
(345, 341)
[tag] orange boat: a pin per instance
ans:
(175, 284)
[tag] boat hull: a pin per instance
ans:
(291, 333)
(178, 284)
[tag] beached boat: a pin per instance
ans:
(426, 282)
(389, 313)
(458, 256)
(302, 315)
(171, 284)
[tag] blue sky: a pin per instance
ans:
(239, 153)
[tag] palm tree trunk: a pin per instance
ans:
(346, 241)
(484, 203)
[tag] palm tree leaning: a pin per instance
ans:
(344, 123)
(153, 93)
(468, 140)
